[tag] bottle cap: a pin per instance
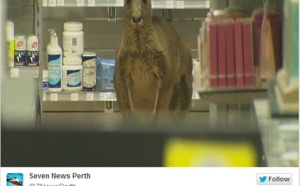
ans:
(73, 26)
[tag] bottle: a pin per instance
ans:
(20, 50)
(54, 57)
(10, 36)
(45, 80)
(72, 74)
(73, 40)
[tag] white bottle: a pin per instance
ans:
(72, 74)
(54, 57)
(73, 41)
(10, 35)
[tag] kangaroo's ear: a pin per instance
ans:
(145, 1)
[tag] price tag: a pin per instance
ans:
(53, 97)
(90, 96)
(14, 73)
(207, 4)
(60, 2)
(52, 3)
(91, 3)
(74, 96)
(169, 4)
(80, 2)
(180, 4)
(102, 96)
(45, 3)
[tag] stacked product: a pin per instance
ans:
(226, 50)
(22, 50)
(73, 44)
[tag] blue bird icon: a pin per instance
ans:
(262, 179)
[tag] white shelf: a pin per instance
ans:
(86, 96)
(156, 4)
(80, 96)
(19, 72)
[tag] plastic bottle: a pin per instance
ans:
(73, 41)
(54, 57)
(10, 36)
(45, 80)
(72, 74)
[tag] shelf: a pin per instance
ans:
(241, 95)
(19, 72)
(84, 96)
(80, 96)
(156, 4)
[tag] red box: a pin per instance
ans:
(222, 54)
(213, 54)
(248, 52)
(238, 51)
(230, 62)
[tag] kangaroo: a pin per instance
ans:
(153, 70)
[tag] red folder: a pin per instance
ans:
(238, 51)
(248, 52)
(213, 52)
(222, 54)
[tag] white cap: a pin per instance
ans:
(72, 61)
(73, 26)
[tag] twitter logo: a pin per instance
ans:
(262, 179)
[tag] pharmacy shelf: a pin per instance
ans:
(84, 96)
(21, 72)
(80, 96)
(156, 4)
(238, 95)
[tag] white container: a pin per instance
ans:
(73, 40)
(45, 80)
(54, 57)
(72, 78)
(32, 51)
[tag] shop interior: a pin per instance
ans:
(244, 106)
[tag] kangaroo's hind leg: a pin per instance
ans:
(123, 95)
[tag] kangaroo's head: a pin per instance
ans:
(137, 12)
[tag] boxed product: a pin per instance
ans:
(105, 74)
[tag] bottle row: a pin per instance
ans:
(22, 50)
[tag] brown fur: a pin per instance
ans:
(151, 57)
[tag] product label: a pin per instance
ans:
(45, 86)
(71, 45)
(33, 58)
(74, 78)
(54, 71)
(20, 58)
(109, 71)
(11, 51)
